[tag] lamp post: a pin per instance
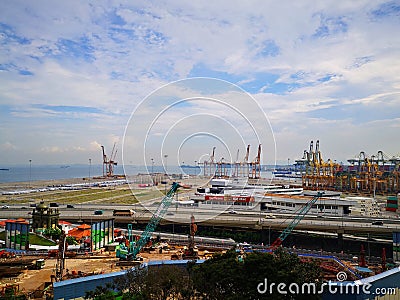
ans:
(166, 163)
(152, 166)
(30, 172)
(90, 167)
(195, 171)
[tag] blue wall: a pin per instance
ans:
(75, 288)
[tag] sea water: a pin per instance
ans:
(19, 173)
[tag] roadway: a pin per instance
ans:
(239, 219)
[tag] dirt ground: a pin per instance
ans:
(31, 280)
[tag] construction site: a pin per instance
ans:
(36, 274)
(107, 252)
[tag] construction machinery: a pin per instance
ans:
(256, 165)
(131, 249)
(190, 252)
(209, 168)
(109, 162)
(368, 175)
(222, 168)
(296, 220)
(60, 265)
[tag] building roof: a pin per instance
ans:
(81, 231)
(61, 222)
(20, 220)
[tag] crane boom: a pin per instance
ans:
(155, 219)
(300, 215)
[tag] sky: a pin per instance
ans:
(75, 75)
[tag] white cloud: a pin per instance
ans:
(325, 56)
(7, 146)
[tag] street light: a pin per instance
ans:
(30, 172)
(152, 166)
(195, 171)
(90, 167)
(166, 163)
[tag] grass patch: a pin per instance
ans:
(34, 239)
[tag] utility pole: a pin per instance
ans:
(30, 172)
(90, 167)
(195, 172)
(166, 163)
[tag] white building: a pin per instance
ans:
(364, 206)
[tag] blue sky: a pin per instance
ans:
(72, 73)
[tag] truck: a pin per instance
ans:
(123, 212)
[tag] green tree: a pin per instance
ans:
(71, 240)
(53, 233)
(224, 277)
(163, 282)
(102, 293)
(219, 277)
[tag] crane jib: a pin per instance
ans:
(286, 232)
(155, 219)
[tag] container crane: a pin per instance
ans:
(300, 215)
(210, 162)
(246, 162)
(128, 252)
(112, 161)
(255, 165)
(109, 163)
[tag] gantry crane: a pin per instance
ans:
(245, 164)
(210, 163)
(109, 163)
(256, 166)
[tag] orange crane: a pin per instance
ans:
(109, 163)
(255, 165)
(210, 162)
(245, 171)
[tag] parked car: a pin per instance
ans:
(70, 206)
(98, 212)
(5, 207)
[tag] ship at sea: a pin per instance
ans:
(189, 167)
(286, 173)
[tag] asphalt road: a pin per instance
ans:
(240, 219)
